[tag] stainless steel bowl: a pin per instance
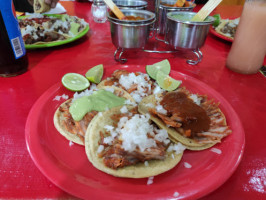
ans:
(131, 34)
(131, 4)
(186, 35)
(164, 9)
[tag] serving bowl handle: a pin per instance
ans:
(162, 40)
(152, 32)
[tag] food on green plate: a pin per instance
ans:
(228, 27)
(75, 82)
(95, 74)
(163, 66)
(124, 143)
(72, 118)
(42, 29)
(39, 6)
(191, 119)
(137, 84)
(166, 82)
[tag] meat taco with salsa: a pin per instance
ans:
(123, 143)
(191, 119)
(72, 117)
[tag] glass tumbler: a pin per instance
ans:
(248, 50)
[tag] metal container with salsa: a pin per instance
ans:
(133, 32)
(184, 34)
(167, 6)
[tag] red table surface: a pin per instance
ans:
(20, 178)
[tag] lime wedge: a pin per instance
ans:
(166, 82)
(217, 20)
(95, 74)
(163, 66)
(75, 82)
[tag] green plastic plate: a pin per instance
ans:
(59, 42)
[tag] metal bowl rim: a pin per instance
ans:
(177, 8)
(189, 22)
(144, 3)
(112, 19)
(132, 25)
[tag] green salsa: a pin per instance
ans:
(185, 18)
(100, 100)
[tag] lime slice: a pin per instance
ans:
(75, 82)
(163, 66)
(166, 82)
(217, 20)
(95, 74)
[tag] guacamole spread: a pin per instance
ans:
(100, 100)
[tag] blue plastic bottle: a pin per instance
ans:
(13, 58)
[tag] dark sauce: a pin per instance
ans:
(193, 116)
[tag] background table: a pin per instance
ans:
(20, 178)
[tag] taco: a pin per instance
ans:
(39, 6)
(191, 119)
(227, 27)
(75, 130)
(123, 143)
(137, 84)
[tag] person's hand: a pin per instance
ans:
(51, 2)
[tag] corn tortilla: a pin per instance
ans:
(139, 170)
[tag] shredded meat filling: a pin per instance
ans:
(75, 127)
(38, 5)
(231, 30)
(114, 81)
(114, 156)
